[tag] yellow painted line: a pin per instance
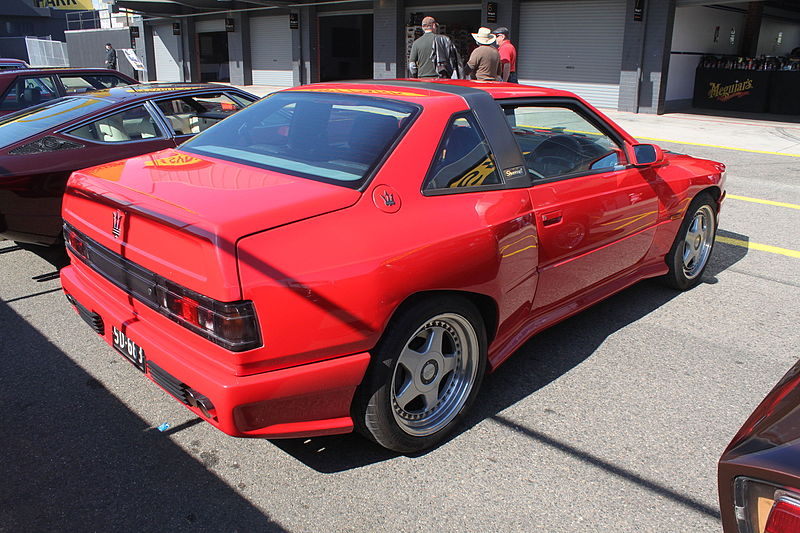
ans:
(761, 247)
(759, 201)
(718, 146)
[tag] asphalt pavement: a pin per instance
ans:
(610, 421)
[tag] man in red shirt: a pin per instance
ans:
(508, 55)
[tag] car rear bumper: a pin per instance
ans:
(302, 401)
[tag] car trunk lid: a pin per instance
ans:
(180, 215)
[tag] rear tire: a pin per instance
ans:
(689, 255)
(424, 374)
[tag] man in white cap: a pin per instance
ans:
(484, 62)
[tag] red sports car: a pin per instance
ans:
(358, 254)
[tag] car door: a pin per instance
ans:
(486, 226)
(189, 115)
(595, 214)
(27, 91)
(127, 132)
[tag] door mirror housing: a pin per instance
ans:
(646, 154)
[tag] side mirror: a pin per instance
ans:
(646, 155)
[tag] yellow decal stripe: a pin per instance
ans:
(760, 247)
(760, 201)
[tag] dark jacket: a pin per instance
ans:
(111, 58)
(446, 57)
(434, 56)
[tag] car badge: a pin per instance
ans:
(118, 217)
(514, 172)
(386, 199)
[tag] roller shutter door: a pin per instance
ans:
(271, 51)
(166, 52)
(575, 45)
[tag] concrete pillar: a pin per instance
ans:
(645, 57)
(239, 50)
(149, 58)
(388, 39)
(752, 29)
(298, 64)
(507, 15)
(308, 45)
(189, 68)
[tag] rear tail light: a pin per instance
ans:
(231, 325)
(75, 242)
(766, 508)
(784, 517)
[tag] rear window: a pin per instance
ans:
(334, 138)
(35, 120)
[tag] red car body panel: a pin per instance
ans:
(327, 266)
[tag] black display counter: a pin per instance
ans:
(784, 94)
(755, 91)
(733, 90)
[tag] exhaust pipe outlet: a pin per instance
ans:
(195, 399)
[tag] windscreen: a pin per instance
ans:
(36, 120)
(336, 138)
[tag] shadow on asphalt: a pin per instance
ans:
(75, 458)
(543, 359)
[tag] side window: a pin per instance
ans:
(557, 141)
(464, 159)
(104, 81)
(90, 82)
(26, 92)
(76, 84)
(189, 115)
(134, 124)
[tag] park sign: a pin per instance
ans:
(73, 5)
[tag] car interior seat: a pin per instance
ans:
(306, 138)
(369, 136)
(112, 130)
(32, 95)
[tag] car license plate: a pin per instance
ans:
(132, 351)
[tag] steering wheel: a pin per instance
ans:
(555, 155)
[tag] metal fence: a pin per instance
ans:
(43, 53)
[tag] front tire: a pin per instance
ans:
(689, 255)
(425, 373)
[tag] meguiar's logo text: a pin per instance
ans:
(723, 93)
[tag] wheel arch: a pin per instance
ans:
(486, 306)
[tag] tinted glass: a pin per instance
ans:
(27, 92)
(557, 141)
(133, 124)
(90, 82)
(330, 137)
(23, 124)
(190, 115)
(464, 159)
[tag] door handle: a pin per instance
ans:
(551, 218)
